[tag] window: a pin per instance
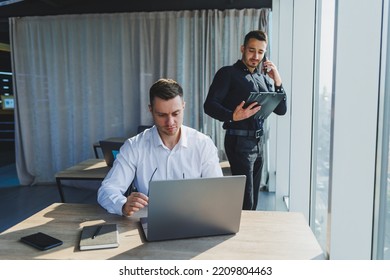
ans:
(322, 118)
(382, 238)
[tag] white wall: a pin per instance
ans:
(282, 36)
(356, 90)
(295, 22)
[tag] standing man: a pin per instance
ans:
(168, 150)
(225, 101)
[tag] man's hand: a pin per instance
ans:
(241, 113)
(272, 72)
(135, 202)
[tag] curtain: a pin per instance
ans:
(79, 79)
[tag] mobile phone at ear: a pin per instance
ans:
(265, 70)
(41, 241)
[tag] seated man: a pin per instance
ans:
(168, 150)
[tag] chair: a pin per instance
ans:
(143, 127)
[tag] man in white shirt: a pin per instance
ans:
(168, 150)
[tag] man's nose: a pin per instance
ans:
(170, 120)
(256, 55)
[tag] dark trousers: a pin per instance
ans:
(245, 155)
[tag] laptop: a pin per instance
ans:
(188, 208)
(110, 149)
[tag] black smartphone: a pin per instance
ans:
(41, 241)
(265, 70)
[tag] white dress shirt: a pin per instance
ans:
(144, 157)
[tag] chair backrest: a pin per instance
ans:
(110, 149)
(143, 127)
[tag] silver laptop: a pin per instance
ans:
(194, 207)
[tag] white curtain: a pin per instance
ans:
(82, 78)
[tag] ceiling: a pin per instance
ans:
(18, 8)
(21, 8)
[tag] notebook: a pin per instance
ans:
(110, 149)
(193, 207)
(99, 237)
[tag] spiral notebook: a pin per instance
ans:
(99, 237)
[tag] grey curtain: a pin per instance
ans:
(82, 78)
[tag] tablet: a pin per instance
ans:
(268, 101)
(41, 241)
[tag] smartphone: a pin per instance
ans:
(41, 241)
(265, 70)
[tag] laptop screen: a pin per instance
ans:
(194, 207)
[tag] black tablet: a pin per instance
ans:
(41, 241)
(267, 100)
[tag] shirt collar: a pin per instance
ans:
(183, 141)
(183, 137)
(242, 66)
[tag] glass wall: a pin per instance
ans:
(382, 245)
(386, 213)
(322, 119)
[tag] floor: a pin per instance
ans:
(20, 202)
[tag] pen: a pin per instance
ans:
(97, 232)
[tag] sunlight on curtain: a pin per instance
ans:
(82, 78)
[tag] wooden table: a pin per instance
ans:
(262, 235)
(91, 169)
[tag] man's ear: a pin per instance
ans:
(242, 48)
(150, 108)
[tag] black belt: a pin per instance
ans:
(247, 133)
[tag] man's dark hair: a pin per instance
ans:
(165, 89)
(256, 34)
